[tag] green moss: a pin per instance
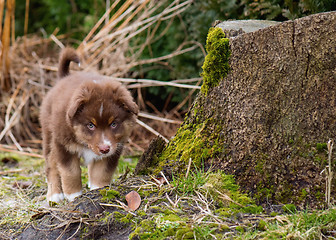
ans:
(216, 63)
(106, 217)
(141, 213)
(262, 225)
(198, 141)
(240, 229)
(227, 195)
(171, 217)
(254, 209)
(161, 228)
(303, 194)
(118, 215)
(321, 147)
(262, 159)
(109, 194)
(144, 192)
(185, 233)
(220, 185)
(273, 214)
(188, 143)
(155, 209)
(144, 230)
(126, 219)
(224, 212)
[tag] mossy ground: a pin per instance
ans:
(23, 188)
(201, 205)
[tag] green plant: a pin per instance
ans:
(75, 17)
(300, 225)
(192, 182)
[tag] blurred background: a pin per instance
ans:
(155, 47)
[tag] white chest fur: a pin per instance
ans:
(89, 156)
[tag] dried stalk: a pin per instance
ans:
(6, 149)
(146, 115)
(2, 7)
(152, 83)
(13, 118)
(5, 39)
(96, 26)
(26, 18)
(329, 173)
(142, 124)
(104, 42)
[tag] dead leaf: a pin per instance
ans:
(133, 200)
(159, 181)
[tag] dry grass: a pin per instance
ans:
(7, 34)
(22, 190)
(30, 64)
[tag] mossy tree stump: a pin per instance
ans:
(268, 120)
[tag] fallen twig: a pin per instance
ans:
(20, 153)
(10, 171)
(151, 130)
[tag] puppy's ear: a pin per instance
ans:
(128, 104)
(131, 106)
(77, 102)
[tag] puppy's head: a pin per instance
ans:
(102, 114)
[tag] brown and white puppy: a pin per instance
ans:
(84, 115)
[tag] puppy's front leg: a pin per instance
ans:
(70, 172)
(55, 193)
(101, 171)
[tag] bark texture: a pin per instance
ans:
(279, 104)
(272, 115)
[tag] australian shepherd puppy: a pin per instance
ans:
(84, 115)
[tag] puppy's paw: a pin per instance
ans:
(56, 197)
(72, 196)
(92, 186)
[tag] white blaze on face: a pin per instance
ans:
(108, 143)
(101, 109)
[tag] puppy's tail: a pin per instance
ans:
(67, 55)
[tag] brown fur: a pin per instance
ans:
(67, 55)
(84, 115)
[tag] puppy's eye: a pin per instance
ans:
(91, 126)
(113, 125)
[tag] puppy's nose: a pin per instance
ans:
(104, 149)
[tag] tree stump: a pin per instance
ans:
(268, 120)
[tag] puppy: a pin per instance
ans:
(84, 115)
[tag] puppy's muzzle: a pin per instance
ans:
(104, 149)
